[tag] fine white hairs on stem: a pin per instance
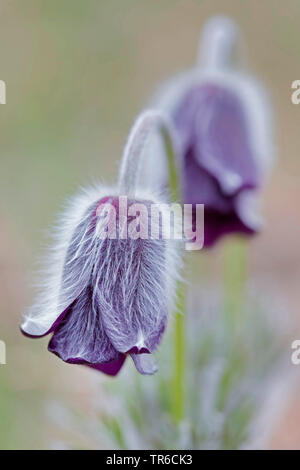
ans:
(218, 43)
(131, 163)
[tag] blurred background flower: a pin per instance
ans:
(77, 73)
(223, 119)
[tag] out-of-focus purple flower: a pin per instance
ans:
(105, 297)
(223, 124)
(219, 164)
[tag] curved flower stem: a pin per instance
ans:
(131, 162)
(218, 44)
(128, 179)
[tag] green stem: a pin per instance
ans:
(178, 376)
(179, 356)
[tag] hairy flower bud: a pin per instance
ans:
(110, 284)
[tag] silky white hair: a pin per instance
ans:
(54, 296)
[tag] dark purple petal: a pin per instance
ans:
(110, 368)
(221, 216)
(129, 282)
(81, 336)
(212, 121)
(130, 293)
(217, 225)
(218, 163)
(199, 187)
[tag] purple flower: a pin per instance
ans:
(218, 161)
(105, 297)
(112, 297)
(221, 117)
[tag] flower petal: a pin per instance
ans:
(130, 289)
(81, 336)
(110, 368)
(247, 208)
(212, 120)
(70, 280)
(145, 363)
(33, 329)
(217, 224)
(199, 187)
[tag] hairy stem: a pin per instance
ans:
(219, 43)
(148, 122)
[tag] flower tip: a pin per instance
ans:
(145, 363)
(24, 332)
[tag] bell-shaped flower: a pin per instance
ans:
(108, 284)
(223, 122)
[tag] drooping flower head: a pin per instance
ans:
(222, 119)
(109, 287)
